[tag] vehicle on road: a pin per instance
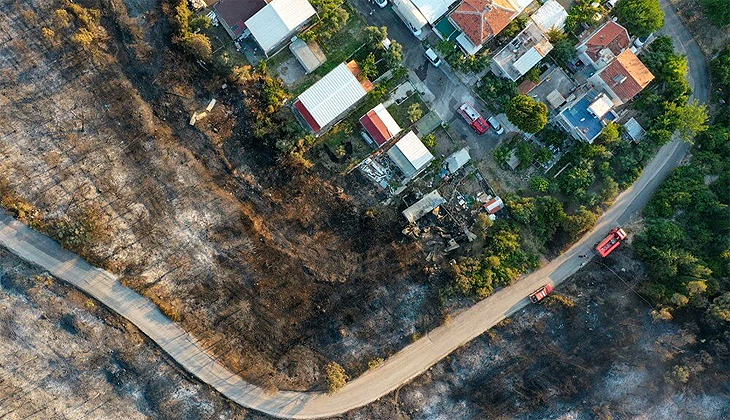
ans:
(381, 3)
(473, 118)
(541, 293)
(611, 242)
(642, 40)
(496, 125)
(432, 57)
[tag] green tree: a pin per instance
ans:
(539, 184)
(720, 307)
(526, 113)
(576, 180)
(718, 11)
(369, 68)
(374, 36)
(415, 112)
(429, 141)
(333, 17)
(721, 67)
(690, 118)
(563, 48)
(526, 153)
(640, 17)
(610, 135)
(394, 55)
(543, 155)
(583, 12)
(198, 45)
(579, 223)
(496, 91)
(501, 154)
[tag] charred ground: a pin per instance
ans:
(277, 270)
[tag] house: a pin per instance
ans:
(550, 15)
(428, 203)
(457, 160)
(481, 20)
(278, 21)
(601, 47)
(411, 16)
(329, 98)
(624, 78)
(585, 117)
(410, 155)
(522, 53)
(309, 56)
(379, 125)
(233, 13)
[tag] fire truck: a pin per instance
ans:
(611, 242)
(541, 293)
(473, 118)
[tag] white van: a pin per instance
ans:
(495, 125)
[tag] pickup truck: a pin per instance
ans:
(473, 118)
(541, 293)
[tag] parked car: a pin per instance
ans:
(473, 118)
(494, 122)
(432, 57)
(640, 41)
(541, 293)
(381, 3)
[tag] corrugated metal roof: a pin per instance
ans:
(432, 10)
(410, 154)
(457, 160)
(426, 204)
(332, 95)
(527, 61)
(380, 124)
(275, 22)
(550, 15)
(634, 129)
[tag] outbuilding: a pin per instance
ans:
(379, 125)
(410, 155)
(426, 204)
(278, 21)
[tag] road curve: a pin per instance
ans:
(400, 368)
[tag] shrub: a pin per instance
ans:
(336, 376)
(415, 112)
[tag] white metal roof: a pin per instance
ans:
(457, 160)
(410, 154)
(634, 129)
(277, 20)
(432, 10)
(409, 12)
(550, 15)
(332, 95)
(520, 5)
(527, 61)
(467, 45)
(426, 204)
(390, 124)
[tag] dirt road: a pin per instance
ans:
(398, 369)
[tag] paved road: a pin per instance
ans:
(399, 368)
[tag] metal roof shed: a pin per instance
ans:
(330, 97)
(305, 55)
(277, 21)
(634, 130)
(380, 125)
(426, 204)
(550, 15)
(457, 160)
(410, 155)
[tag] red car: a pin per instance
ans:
(541, 293)
(471, 116)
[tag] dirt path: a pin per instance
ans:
(398, 369)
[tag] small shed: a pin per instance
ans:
(634, 130)
(493, 205)
(457, 160)
(410, 155)
(426, 204)
(309, 56)
(555, 99)
(380, 125)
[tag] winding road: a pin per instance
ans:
(400, 368)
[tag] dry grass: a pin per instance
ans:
(710, 38)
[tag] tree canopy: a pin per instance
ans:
(526, 113)
(718, 11)
(640, 17)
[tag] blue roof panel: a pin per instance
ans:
(582, 119)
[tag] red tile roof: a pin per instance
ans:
(233, 14)
(627, 75)
(307, 116)
(482, 19)
(612, 36)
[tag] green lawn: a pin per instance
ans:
(400, 112)
(224, 46)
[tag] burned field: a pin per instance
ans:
(592, 351)
(277, 271)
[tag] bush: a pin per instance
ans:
(415, 112)
(539, 184)
(429, 141)
(718, 11)
(333, 17)
(198, 45)
(336, 376)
